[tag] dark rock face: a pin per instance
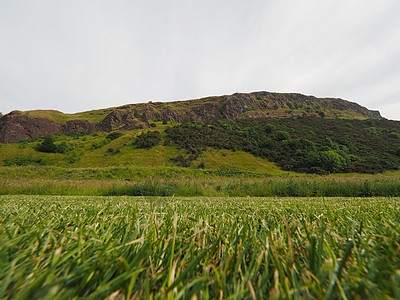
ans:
(121, 120)
(79, 126)
(16, 126)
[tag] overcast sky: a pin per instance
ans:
(77, 55)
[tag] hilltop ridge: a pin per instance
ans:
(19, 125)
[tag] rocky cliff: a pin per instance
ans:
(19, 125)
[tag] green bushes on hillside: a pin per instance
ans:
(114, 135)
(310, 145)
(148, 140)
(48, 146)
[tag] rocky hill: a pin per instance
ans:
(19, 125)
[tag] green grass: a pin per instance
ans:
(214, 159)
(57, 116)
(90, 151)
(162, 248)
(173, 182)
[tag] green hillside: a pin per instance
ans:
(257, 144)
(98, 151)
(269, 146)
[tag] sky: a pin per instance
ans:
(78, 55)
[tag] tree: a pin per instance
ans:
(332, 161)
(47, 145)
(148, 139)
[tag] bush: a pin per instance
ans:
(397, 150)
(332, 162)
(114, 135)
(136, 113)
(282, 135)
(148, 140)
(99, 144)
(113, 151)
(269, 128)
(181, 161)
(48, 146)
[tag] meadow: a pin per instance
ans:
(92, 247)
(185, 182)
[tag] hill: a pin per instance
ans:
(251, 135)
(19, 125)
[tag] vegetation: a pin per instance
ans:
(48, 146)
(94, 115)
(310, 145)
(236, 158)
(195, 182)
(114, 135)
(87, 247)
(148, 140)
(23, 160)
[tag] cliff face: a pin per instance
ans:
(18, 125)
(15, 126)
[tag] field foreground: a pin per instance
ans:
(69, 247)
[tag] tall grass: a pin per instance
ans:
(298, 187)
(162, 248)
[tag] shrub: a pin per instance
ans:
(113, 151)
(269, 128)
(181, 161)
(48, 146)
(99, 144)
(136, 113)
(394, 135)
(114, 135)
(332, 162)
(148, 140)
(397, 150)
(282, 135)
(201, 165)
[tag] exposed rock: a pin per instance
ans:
(121, 120)
(16, 125)
(79, 126)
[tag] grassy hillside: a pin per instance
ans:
(305, 145)
(57, 116)
(311, 145)
(98, 151)
(236, 158)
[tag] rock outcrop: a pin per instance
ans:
(17, 125)
(79, 126)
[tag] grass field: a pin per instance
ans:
(61, 247)
(174, 181)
